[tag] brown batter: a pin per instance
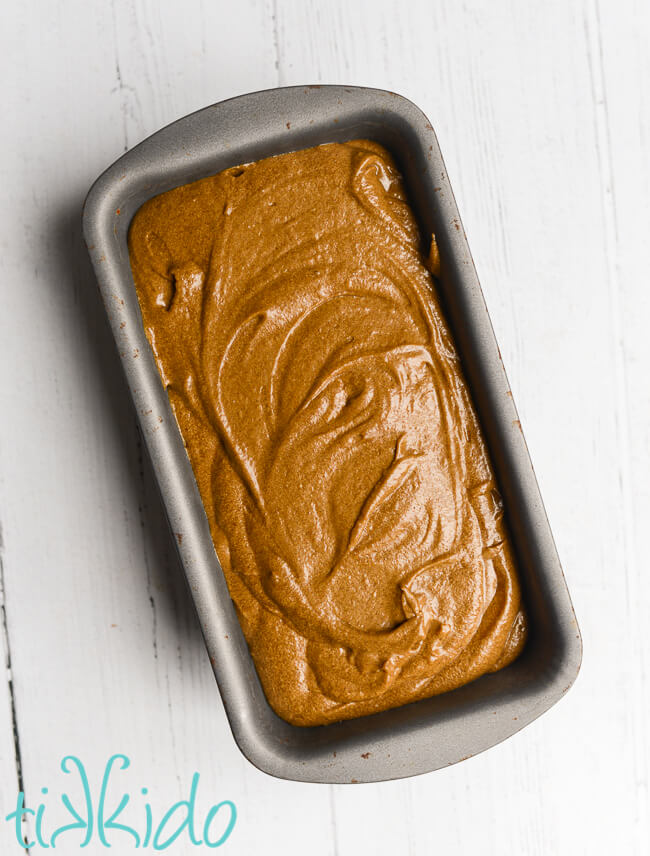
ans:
(348, 488)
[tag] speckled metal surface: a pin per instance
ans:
(425, 735)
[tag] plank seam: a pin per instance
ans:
(10, 687)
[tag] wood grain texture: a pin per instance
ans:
(543, 115)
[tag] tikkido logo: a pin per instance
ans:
(94, 822)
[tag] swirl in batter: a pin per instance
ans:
(350, 496)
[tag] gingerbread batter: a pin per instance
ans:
(351, 501)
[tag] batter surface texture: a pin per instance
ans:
(352, 504)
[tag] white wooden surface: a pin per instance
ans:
(543, 115)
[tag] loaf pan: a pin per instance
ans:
(425, 735)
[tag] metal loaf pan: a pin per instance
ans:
(424, 735)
